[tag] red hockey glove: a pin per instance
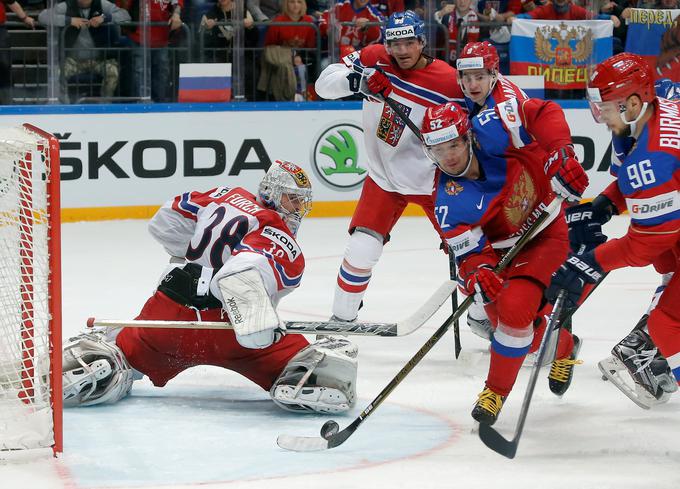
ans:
(485, 283)
(568, 178)
(379, 83)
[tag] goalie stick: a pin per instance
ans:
(331, 435)
(401, 328)
(492, 438)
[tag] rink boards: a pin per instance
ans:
(123, 161)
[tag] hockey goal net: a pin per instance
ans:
(30, 295)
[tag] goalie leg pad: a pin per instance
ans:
(95, 371)
(320, 378)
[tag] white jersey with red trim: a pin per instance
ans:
(228, 231)
(396, 160)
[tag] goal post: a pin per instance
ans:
(30, 294)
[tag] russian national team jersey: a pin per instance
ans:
(228, 231)
(397, 162)
(500, 205)
(647, 183)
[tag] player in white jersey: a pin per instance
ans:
(236, 257)
(399, 172)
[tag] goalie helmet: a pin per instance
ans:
(287, 189)
(442, 124)
(404, 25)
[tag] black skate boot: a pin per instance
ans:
(488, 406)
(643, 361)
(562, 370)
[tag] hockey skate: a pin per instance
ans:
(479, 322)
(562, 370)
(488, 406)
(320, 378)
(652, 380)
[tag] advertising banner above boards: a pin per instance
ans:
(123, 161)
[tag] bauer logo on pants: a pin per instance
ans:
(339, 158)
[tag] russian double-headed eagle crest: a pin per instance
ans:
(571, 44)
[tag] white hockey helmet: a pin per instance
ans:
(287, 189)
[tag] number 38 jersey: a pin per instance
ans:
(227, 231)
(648, 185)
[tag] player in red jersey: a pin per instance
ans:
(621, 94)
(398, 170)
(236, 257)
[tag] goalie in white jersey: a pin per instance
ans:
(236, 257)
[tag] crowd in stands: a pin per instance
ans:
(286, 42)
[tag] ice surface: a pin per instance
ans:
(210, 428)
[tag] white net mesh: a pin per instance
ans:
(25, 405)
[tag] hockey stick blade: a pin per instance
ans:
(317, 443)
(496, 442)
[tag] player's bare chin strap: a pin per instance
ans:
(361, 255)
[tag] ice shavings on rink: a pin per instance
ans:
(194, 434)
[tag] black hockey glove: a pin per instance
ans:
(572, 276)
(585, 228)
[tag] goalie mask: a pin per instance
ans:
(446, 138)
(287, 189)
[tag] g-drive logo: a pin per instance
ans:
(655, 206)
(399, 32)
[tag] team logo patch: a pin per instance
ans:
(453, 188)
(283, 240)
(521, 200)
(391, 127)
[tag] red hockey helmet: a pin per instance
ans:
(616, 79)
(478, 55)
(442, 124)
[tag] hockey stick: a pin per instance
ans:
(454, 304)
(492, 438)
(331, 436)
(401, 328)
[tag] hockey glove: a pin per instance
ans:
(568, 178)
(378, 83)
(572, 276)
(585, 228)
(485, 284)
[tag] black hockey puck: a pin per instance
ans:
(329, 429)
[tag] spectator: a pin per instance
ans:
(263, 10)
(452, 16)
(219, 38)
(565, 10)
(358, 24)
(297, 37)
(167, 12)
(617, 8)
(90, 29)
(5, 55)
(388, 7)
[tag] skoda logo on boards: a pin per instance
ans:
(338, 156)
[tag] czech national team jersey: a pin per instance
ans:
(648, 185)
(500, 205)
(226, 230)
(397, 162)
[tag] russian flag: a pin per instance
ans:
(533, 86)
(646, 27)
(204, 82)
(559, 50)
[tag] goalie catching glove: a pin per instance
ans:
(250, 310)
